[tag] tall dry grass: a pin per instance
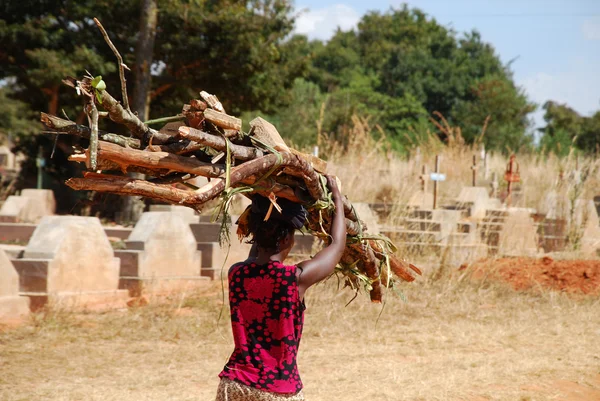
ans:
(372, 173)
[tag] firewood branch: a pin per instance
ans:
(62, 126)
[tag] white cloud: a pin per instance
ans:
(322, 23)
(591, 28)
(578, 87)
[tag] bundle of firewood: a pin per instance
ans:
(205, 141)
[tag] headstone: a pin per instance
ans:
(510, 232)
(421, 200)
(70, 260)
(12, 306)
(476, 198)
(586, 220)
(13, 208)
(168, 257)
(188, 214)
(29, 207)
(7, 158)
(43, 199)
(554, 205)
(366, 214)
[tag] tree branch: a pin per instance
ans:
(218, 143)
(60, 126)
(119, 61)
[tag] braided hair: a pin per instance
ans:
(269, 233)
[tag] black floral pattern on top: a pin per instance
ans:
(266, 319)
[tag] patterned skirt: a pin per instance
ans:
(233, 391)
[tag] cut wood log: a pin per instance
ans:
(218, 143)
(265, 132)
(223, 120)
(316, 163)
(212, 101)
(198, 105)
(157, 160)
(62, 126)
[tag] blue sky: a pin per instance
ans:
(555, 43)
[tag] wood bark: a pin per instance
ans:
(223, 120)
(143, 58)
(62, 126)
(218, 143)
(157, 160)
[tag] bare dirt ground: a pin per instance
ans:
(463, 336)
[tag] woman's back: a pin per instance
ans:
(266, 318)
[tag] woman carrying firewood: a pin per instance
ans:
(267, 300)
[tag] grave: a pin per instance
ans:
(475, 199)
(552, 219)
(187, 213)
(587, 226)
(509, 232)
(69, 262)
(368, 216)
(12, 306)
(421, 200)
(439, 232)
(564, 221)
(29, 207)
(161, 255)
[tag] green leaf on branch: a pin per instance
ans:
(98, 83)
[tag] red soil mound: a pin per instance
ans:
(574, 276)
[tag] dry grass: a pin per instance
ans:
(371, 173)
(452, 340)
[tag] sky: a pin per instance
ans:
(554, 45)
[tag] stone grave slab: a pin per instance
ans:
(69, 261)
(421, 200)
(368, 216)
(476, 199)
(12, 306)
(510, 232)
(12, 210)
(187, 213)
(165, 252)
(586, 220)
(29, 207)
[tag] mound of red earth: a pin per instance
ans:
(573, 276)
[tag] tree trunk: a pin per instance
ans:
(143, 59)
(134, 206)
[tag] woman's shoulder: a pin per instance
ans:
(237, 266)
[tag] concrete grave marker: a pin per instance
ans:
(30, 206)
(165, 254)
(12, 306)
(69, 259)
(187, 213)
(476, 198)
(366, 214)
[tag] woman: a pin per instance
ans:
(267, 301)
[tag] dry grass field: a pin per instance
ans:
(454, 338)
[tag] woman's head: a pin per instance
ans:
(275, 232)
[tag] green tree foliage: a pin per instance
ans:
(401, 66)
(234, 48)
(566, 128)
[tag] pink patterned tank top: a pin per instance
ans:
(266, 318)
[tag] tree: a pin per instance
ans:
(589, 141)
(143, 59)
(401, 66)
